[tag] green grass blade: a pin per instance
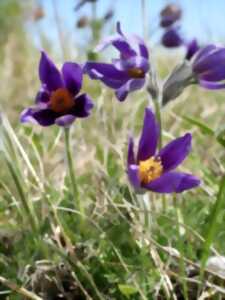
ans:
(213, 224)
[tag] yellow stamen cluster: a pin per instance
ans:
(136, 73)
(150, 169)
(61, 100)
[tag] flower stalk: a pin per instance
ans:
(71, 168)
(156, 103)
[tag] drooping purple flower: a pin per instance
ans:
(57, 101)
(155, 170)
(127, 73)
(169, 15)
(191, 48)
(172, 38)
(208, 66)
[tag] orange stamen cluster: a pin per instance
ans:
(61, 100)
(150, 169)
(136, 73)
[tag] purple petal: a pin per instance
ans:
(43, 117)
(134, 62)
(83, 106)
(73, 75)
(130, 154)
(215, 58)
(149, 137)
(65, 121)
(143, 50)
(49, 74)
(42, 96)
(134, 40)
(173, 182)
(107, 73)
(120, 43)
(192, 48)
(203, 52)
(129, 86)
(212, 85)
(214, 74)
(133, 175)
(175, 152)
(106, 42)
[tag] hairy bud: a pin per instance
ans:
(178, 80)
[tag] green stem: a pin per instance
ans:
(213, 226)
(156, 103)
(164, 203)
(24, 201)
(71, 169)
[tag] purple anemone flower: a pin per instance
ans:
(58, 102)
(172, 38)
(208, 66)
(127, 73)
(153, 170)
(191, 48)
(169, 15)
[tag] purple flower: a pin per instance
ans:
(127, 73)
(172, 38)
(208, 66)
(58, 102)
(153, 170)
(169, 15)
(191, 48)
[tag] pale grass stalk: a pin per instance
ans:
(60, 31)
(24, 201)
(180, 245)
(15, 141)
(167, 284)
(20, 290)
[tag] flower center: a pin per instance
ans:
(61, 100)
(136, 73)
(150, 169)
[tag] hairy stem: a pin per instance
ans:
(71, 168)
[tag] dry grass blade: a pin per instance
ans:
(20, 290)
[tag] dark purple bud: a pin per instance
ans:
(170, 14)
(172, 38)
(176, 82)
(108, 16)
